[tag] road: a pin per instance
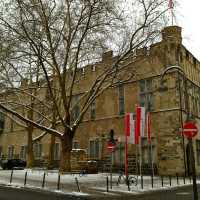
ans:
(7, 193)
(181, 193)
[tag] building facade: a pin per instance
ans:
(167, 108)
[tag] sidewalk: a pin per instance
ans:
(88, 185)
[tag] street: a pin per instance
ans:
(182, 193)
(8, 193)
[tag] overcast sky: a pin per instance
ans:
(188, 17)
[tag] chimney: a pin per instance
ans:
(172, 34)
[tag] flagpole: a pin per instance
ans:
(126, 157)
(140, 148)
(171, 7)
(137, 169)
(127, 130)
(150, 141)
(151, 157)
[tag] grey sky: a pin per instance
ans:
(188, 15)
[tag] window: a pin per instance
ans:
(93, 110)
(23, 152)
(198, 151)
(75, 107)
(146, 95)
(121, 99)
(37, 149)
(2, 121)
(10, 152)
(75, 145)
(57, 151)
(94, 148)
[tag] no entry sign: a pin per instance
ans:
(190, 129)
(111, 146)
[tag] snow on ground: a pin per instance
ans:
(88, 184)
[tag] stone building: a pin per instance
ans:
(167, 108)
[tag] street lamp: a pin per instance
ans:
(163, 88)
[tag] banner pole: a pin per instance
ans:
(126, 156)
(140, 148)
(152, 168)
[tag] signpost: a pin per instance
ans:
(190, 130)
(111, 146)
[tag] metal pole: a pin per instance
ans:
(152, 167)
(126, 157)
(140, 146)
(77, 184)
(25, 178)
(111, 166)
(43, 180)
(58, 183)
(11, 176)
(107, 184)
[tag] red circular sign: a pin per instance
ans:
(111, 147)
(190, 129)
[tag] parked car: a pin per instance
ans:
(13, 163)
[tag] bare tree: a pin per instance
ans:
(62, 36)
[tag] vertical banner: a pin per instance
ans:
(138, 123)
(142, 121)
(130, 132)
(140, 130)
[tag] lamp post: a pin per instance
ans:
(192, 159)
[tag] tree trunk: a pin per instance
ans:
(30, 154)
(66, 144)
(51, 153)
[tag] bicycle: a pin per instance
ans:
(132, 180)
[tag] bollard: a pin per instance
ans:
(76, 180)
(184, 180)
(170, 180)
(11, 176)
(177, 179)
(58, 183)
(128, 183)
(43, 180)
(152, 181)
(107, 184)
(162, 180)
(142, 186)
(25, 178)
